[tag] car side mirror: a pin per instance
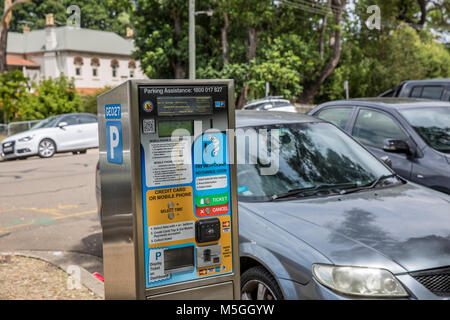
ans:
(63, 124)
(396, 146)
(387, 161)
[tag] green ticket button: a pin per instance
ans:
(211, 200)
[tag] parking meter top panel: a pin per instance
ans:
(186, 187)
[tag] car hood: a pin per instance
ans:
(400, 228)
(27, 133)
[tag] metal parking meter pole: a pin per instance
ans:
(168, 181)
(192, 48)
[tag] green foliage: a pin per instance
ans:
(89, 102)
(13, 90)
(52, 97)
(374, 67)
(108, 15)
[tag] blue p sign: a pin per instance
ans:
(114, 142)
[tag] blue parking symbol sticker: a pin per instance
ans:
(114, 148)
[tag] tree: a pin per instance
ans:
(162, 38)
(52, 97)
(4, 27)
(13, 90)
(108, 15)
(312, 86)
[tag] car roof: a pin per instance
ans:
(390, 103)
(250, 118)
(426, 81)
(280, 98)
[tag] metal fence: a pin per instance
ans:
(3, 131)
(20, 126)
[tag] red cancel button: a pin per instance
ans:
(211, 210)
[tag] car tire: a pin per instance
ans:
(46, 148)
(258, 284)
(74, 152)
(83, 151)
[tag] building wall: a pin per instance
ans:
(104, 76)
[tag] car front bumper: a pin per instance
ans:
(313, 290)
(20, 149)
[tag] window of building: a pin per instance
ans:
(95, 63)
(78, 62)
(114, 67)
(373, 127)
(132, 67)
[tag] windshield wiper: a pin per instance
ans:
(313, 190)
(371, 184)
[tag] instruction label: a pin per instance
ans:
(170, 163)
(211, 182)
(156, 265)
(171, 232)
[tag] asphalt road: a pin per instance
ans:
(49, 204)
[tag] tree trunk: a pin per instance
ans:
(3, 45)
(224, 31)
(253, 43)
(311, 88)
(179, 68)
(4, 27)
(324, 27)
(243, 96)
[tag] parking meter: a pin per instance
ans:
(168, 190)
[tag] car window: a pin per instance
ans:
(432, 92)
(71, 120)
(338, 116)
(308, 155)
(373, 127)
(253, 106)
(432, 124)
(87, 118)
(416, 92)
(282, 104)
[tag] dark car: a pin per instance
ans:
(334, 222)
(435, 89)
(413, 133)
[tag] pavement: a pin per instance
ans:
(48, 211)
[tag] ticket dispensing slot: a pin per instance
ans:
(179, 259)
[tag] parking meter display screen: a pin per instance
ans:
(166, 128)
(178, 106)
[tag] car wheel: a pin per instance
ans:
(47, 148)
(258, 284)
(74, 152)
(83, 151)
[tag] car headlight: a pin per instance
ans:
(25, 139)
(367, 282)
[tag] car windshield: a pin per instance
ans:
(46, 123)
(311, 155)
(432, 124)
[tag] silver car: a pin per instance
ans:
(74, 132)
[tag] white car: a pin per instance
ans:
(74, 132)
(270, 104)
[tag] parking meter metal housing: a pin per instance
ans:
(168, 181)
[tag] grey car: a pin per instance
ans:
(436, 89)
(413, 133)
(334, 222)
